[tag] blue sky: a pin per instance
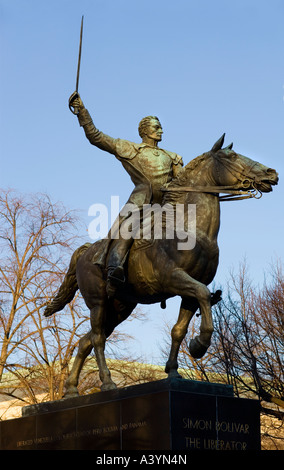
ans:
(203, 67)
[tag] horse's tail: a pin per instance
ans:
(69, 285)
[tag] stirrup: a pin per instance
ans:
(110, 289)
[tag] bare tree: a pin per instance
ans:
(36, 238)
(249, 326)
(247, 349)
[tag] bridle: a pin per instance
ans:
(230, 193)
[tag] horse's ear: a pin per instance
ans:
(218, 145)
(229, 147)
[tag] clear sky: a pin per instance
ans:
(203, 67)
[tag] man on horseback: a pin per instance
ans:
(149, 167)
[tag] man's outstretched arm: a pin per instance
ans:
(95, 137)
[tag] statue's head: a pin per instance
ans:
(150, 127)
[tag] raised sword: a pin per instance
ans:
(73, 108)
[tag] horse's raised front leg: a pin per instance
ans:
(84, 349)
(187, 310)
(184, 285)
(198, 347)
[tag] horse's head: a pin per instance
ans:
(222, 170)
(238, 172)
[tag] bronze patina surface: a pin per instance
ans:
(117, 273)
(158, 269)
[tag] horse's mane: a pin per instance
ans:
(182, 177)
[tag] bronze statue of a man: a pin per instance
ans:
(149, 167)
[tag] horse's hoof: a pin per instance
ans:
(71, 393)
(108, 386)
(173, 374)
(196, 348)
(216, 297)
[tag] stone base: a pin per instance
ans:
(170, 414)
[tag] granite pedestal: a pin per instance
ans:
(170, 414)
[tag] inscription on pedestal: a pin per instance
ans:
(215, 444)
(215, 423)
(169, 419)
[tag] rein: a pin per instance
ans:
(231, 194)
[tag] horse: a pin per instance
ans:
(157, 269)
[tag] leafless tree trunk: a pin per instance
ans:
(36, 238)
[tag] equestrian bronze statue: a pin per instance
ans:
(156, 268)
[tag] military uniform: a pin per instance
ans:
(149, 167)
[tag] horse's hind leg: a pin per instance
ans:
(85, 348)
(98, 322)
(104, 318)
